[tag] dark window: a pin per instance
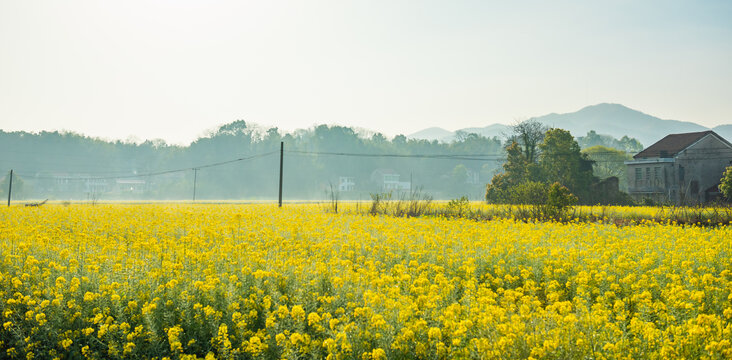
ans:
(681, 173)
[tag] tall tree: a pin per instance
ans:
(528, 134)
(562, 161)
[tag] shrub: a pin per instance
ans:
(558, 201)
(546, 202)
(458, 207)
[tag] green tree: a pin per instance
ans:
(725, 183)
(528, 134)
(562, 161)
(630, 144)
(594, 139)
(517, 171)
(608, 162)
(519, 167)
(458, 180)
(459, 174)
(379, 138)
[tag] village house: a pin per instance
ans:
(130, 186)
(346, 183)
(683, 169)
(388, 180)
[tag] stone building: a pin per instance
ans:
(682, 169)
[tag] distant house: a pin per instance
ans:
(130, 186)
(346, 183)
(473, 177)
(68, 184)
(680, 168)
(388, 180)
(95, 186)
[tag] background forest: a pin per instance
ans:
(240, 161)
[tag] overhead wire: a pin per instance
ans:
(156, 173)
(467, 157)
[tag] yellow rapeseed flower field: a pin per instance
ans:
(226, 281)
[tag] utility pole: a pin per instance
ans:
(195, 177)
(282, 152)
(10, 187)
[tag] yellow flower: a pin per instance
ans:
(280, 338)
(313, 318)
(128, 348)
(41, 318)
(378, 354)
(434, 333)
(173, 339)
(373, 285)
(297, 312)
(66, 343)
(296, 338)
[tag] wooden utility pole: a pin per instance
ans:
(10, 187)
(282, 152)
(195, 177)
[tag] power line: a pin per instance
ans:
(466, 157)
(477, 157)
(164, 172)
(473, 157)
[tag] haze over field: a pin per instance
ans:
(164, 69)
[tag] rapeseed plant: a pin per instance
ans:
(257, 282)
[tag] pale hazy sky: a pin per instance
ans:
(173, 69)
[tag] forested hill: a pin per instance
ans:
(242, 162)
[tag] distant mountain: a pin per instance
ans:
(498, 130)
(724, 131)
(609, 119)
(617, 121)
(433, 133)
(440, 134)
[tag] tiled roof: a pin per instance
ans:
(671, 145)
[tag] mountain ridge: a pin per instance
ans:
(611, 119)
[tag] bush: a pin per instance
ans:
(546, 202)
(378, 203)
(558, 202)
(458, 207)
(416, 203)
(526, 193)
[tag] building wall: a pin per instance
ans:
(653, 178)
(683, 179)
(703, 164)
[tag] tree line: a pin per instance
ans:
(61, 165)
